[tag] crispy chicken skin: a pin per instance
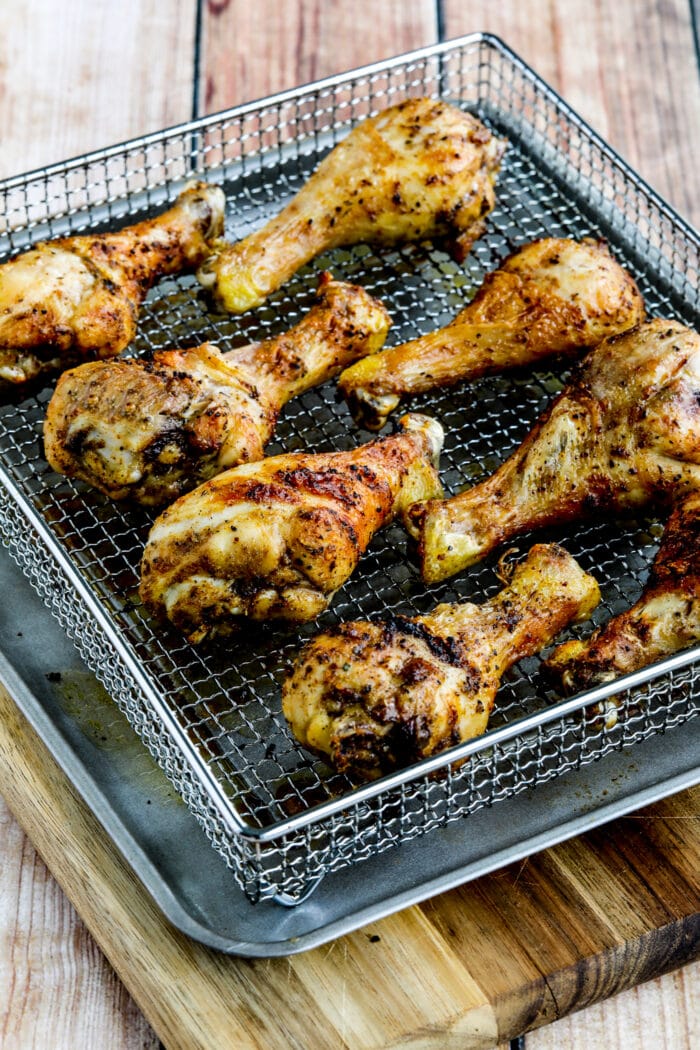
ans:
(625, 433)
(151, 430)
(665, 620)
(374, 697)
(76, 298)
(276, 539)
(550, 297)
(421, 169)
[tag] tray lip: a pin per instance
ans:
(231, 819)
(182, 918)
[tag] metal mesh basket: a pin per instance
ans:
(211, 717)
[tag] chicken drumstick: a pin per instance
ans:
(375, 697)
(624, 432)
(76, 298)
(550, 297)
(152, 430)
(664, 620)
(421, 169)
(276, 539)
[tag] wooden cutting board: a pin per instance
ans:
(474, 966)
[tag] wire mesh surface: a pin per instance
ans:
(211, 715)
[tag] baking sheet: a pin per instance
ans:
(167, 849)
(220, 720)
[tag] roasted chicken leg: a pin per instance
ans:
(276, 539)
(421, 169)
(374, 697)
(152, 430)
(625, 433)
(664, 620)
(76, 298)
(550, 297)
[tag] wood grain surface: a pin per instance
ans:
(483, 962)
(83, 75)
(629, 68)
(246, 56)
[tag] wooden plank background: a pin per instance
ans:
(82, 75)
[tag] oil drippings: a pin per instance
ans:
(89, 706)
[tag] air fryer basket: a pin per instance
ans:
(211, 715)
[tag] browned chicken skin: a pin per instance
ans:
(550, 297)
(625, 433)
(76, 298)
(374, 697)
(420, 170)
(665, 620)
(276, 539)
(151, 430)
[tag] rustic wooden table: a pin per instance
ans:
(86, 74)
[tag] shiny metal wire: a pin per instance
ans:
(212, 718)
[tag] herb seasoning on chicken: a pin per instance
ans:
(276, 539)
(624, 434)
(76, 298)
(374, 697)
(420, 170)
(552, 297)
(151, 430)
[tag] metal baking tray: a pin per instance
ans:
(280, 819)
(190, 882)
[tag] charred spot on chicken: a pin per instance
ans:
(149, 431)
(276, 539)
(373, 697)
